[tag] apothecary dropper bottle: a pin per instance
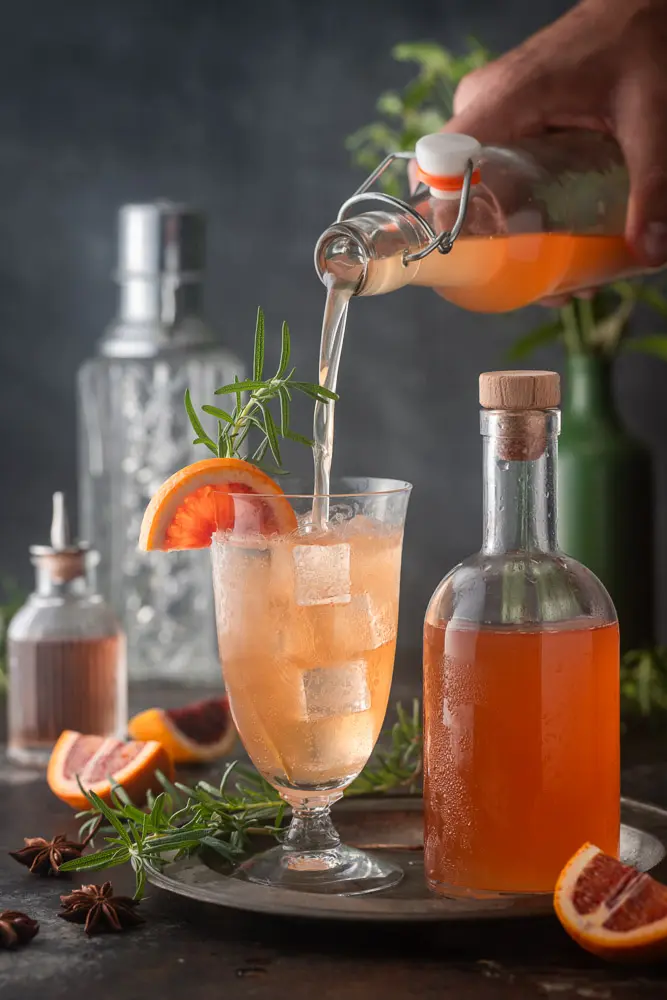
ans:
(66, 652)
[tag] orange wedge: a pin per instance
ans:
(201, 731)
(99, 762)
(195, 502)
(611, 909)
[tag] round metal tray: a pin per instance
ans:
(393, 826)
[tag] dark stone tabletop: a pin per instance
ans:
(198, 952)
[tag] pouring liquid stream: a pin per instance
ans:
(339, 294)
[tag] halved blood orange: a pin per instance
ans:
(99, 762)
(203, 730)
(196, 501)
(611, 909)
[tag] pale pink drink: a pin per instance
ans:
(307, 632)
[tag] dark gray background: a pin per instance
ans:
(242, 108)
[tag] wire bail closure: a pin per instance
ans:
(442, 242)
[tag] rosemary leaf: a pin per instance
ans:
(272, 435)
(284, 351)
(246, 385)
(293, 436)
(197, 425)
(284, 410)
(215, 411)
(258, 360)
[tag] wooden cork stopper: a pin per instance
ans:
(519, 390)
(520, 399)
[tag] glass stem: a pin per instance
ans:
(311, 829)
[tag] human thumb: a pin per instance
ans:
(481, 112)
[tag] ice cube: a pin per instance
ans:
(337, 632)
(372, 624)
(340, 746)
(241, 577)
(321, 574)
(339, 689)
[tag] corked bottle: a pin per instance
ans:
(66, 652)
(521, 675)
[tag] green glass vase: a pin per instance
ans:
(605, 497)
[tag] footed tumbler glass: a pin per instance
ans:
(306, 597)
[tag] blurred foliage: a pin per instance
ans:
(644, 687)
(423, 106)
(599, 326)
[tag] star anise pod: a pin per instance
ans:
(97, 906)
(44, 857)
(16, 928)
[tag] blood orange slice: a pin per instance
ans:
(99, 762)
(203, 730)
(611, 909)
(196, 501)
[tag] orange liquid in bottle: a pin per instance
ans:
(521, 733)
(500, 273)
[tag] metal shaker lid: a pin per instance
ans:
(161, 238)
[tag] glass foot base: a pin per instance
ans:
(343, 871)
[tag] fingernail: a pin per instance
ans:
(654, 243)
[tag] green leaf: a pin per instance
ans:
(417, 92)
(109, 814)
(219, 847)
(258, 359)
(315, 391)
(246, 385)
(260, 451)
(158, 808)
(171, 841)
(96, 862)
(197, 426)
(239, 400)
(390, 104)
(284, 411)
(208, 443)
(429, 55)
(546, 333)
(215, 411)
(272, 434)
(140, 878)
(299, 438)
(224, 444)
(608, 332)
(284, 351)
(655, 345)
(169, 787)
(651, 296)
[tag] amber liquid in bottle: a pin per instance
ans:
(523, 763)
(64, 684)
(521, 677)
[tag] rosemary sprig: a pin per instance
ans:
(177, 823)
(181, 819)
(253, 415)
(400, 767)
